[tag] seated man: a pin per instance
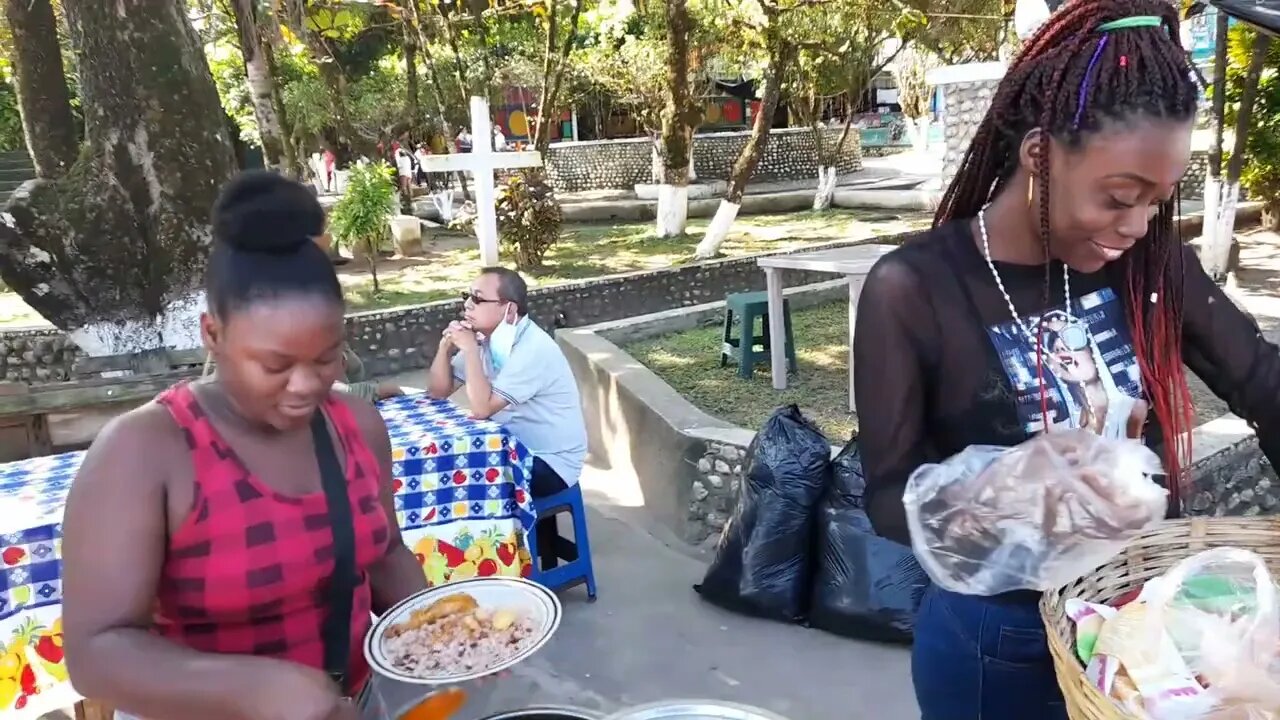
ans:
(515, 373)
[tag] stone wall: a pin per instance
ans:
(966, 94)
(1192, 184)
(622, 164)
(1229, 475)
(36, 356)
(401, 339)
(715, 492)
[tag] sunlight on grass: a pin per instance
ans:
(584, 251)
(690, 362)
(592, 250)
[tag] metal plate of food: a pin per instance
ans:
(462, 631)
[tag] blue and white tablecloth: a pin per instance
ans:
(462, 500)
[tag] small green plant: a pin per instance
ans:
(529, 218)
(361, 218)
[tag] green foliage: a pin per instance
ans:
(226, 64)
(529, 218)
(961, 31)
(360, 219)
(1261, 174)
(10, 120)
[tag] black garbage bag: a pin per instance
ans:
(763, 562)
(864, 586)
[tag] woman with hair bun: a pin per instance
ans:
(225, 544)
(1054, 254)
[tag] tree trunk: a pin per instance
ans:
(43, 99)
(1218, 266)
(412, 103)
(1210, 229)
(679, 116)
(438, 94)
(828, 164)
(553, 69)
(745, 166)
(114, 251)
(259, 65)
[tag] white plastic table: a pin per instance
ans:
(854, 262)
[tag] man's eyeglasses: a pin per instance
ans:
(471, 297)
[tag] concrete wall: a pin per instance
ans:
(401, 339)
(622, 164)
(683, 464)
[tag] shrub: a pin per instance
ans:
(361, 218)
(529, 218)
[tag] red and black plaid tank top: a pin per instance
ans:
(246, 572)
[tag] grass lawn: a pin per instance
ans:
(584, 251)
(690, 362)
(587, 251)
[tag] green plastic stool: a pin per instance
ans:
(745, 308)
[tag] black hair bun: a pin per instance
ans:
(262, 212)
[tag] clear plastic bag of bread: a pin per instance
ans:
(1031, 517)
(1221, 611)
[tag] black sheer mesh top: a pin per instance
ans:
(940, 363)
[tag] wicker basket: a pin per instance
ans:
(1145, 558)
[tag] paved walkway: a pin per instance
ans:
(649, 637)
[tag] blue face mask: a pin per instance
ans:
(503, 339)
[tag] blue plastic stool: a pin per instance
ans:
(571, 572)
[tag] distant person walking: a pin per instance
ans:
(499, 140)
(405, 164)
(464, 140)
(330, 162)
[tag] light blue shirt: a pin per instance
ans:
(544, 410)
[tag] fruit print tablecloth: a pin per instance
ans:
(462, 490)
(462, 499)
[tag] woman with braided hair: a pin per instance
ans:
(1059, 222)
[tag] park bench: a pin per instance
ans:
(99, 382)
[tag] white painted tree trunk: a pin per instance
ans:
(673, 210)
(1224, 235)
(918, 129)
(718, 230)
(177, 328)
(826, 188)
(1208, 240)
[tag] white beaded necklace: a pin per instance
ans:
(1074, 336)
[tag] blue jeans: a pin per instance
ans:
(980, 658)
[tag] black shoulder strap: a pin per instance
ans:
(336, 630)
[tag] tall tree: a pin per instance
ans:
(1213, 246)
(260, 70)
(114, 251)
(1217, 258)
(779, 52)
(409, 48)
(841, 49)
(680, 115)
(315, 30)
(43, 99)
(555, 63)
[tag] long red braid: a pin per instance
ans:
(1070, 80)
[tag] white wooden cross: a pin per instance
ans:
(481, 162)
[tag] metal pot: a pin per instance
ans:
(695, 710)
(545, 713)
